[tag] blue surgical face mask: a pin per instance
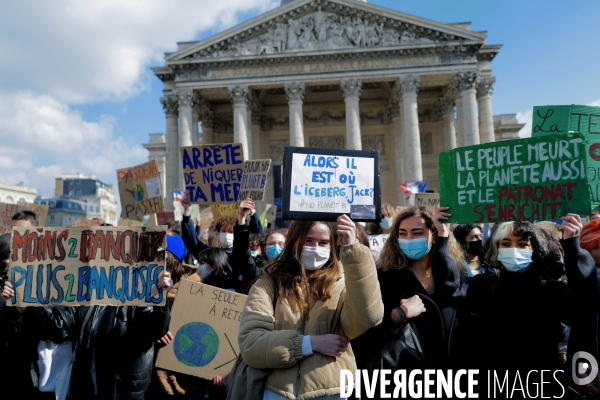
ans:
(204, 272)
(515, 260)
(273, 251)
(386, 222)
(414, 249)
(254, 253)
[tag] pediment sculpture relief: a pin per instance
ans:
(323, 30)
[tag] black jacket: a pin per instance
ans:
(19, 338)
(434, 326)
(242, 260)
(122, 343)
(520, 312)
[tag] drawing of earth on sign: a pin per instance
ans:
(138, 193)
(196, 344)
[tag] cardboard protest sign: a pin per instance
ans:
(6, 213)
(85, 266)
(321, 184)
(129, 222)
(560, 120)
(254, 180)
(206, 218)
(164, 216)
(376, 243)
(88, 222)
(526, 179)
(140, 190)
(427, 200)
(42, 212)
(205, 321)
(213, 173)
(220, 209)
(178, 211)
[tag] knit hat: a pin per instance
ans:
(176, 247)
(590, 236)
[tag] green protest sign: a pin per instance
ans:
(525, 179)
(552, 120)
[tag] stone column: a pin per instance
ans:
(294, 92)
(241, 99)
(486, 118)
(351, 89)
(208, 125)
(445, 110)
(466, 82)
(459, 125)
(396, 118)
(195, 118)
(256, 134)
(172, 149)
(185, 97)
(412, 137)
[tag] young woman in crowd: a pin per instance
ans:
(417, 241)
(470, 239)
(166, 384)
(36, 343)
(320, 306)
(215, 269)
(520, 309)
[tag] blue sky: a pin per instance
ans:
(77, 93)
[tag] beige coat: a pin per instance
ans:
(266, 342)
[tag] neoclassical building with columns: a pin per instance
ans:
(333, 74)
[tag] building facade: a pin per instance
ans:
(64, 211)
(78, 196)
(16, 194)
(333, 74)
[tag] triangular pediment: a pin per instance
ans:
(313, 26)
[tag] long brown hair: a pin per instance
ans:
(291, 276)
(175, 267)
(392, 257)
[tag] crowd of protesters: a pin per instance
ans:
(512, 296)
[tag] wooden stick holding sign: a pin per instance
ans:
(205, 321)
(322, 184)
(515, 180)
(85, 266)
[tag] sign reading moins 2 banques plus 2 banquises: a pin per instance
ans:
(525, 179)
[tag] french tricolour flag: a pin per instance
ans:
(410, 188)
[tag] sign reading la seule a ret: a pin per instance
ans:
(86, 266)
(559, 120)
(524, 179)
(213, 173)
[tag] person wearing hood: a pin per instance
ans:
(520, 308)
(320, 305)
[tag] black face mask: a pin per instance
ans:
(475, 248)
